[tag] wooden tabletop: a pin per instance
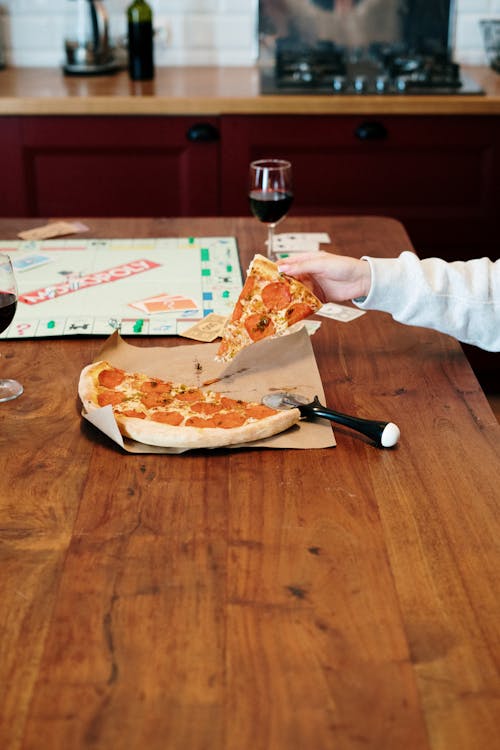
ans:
(215, 91)
(254, 599)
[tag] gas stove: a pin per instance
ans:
(326, 68)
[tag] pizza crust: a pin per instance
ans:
(156, 433)
(163, 435)
(87, 385)
(263, 266)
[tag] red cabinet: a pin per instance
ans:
(111, 166)
(440, 176)
(12, 187)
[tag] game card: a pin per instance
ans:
(54, 229)
(340, 312)
(207, 329)
(300, 242)
(30, 261)
(165, 303)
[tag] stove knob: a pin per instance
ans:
(381, 84)
(338, 83)
(359, 84)
(302, 76)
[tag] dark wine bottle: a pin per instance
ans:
(140, 41)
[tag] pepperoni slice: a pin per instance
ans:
(111, 378)
(237, 312)
(245, 294)
(190, 395)
(259, 326)
(231, 403)
(248, 287)
(205, 407)
(153, 399)
(298, 311)
(276, 296)
(133, 413)
(228, 420)
(199, 422)
(155, 386)
(110, 397)
(173, 418)
(221, 352)
(259, 411)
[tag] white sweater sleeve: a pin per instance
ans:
(461, 298)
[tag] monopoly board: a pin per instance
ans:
(143, 287)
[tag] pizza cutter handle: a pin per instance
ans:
(384, 434)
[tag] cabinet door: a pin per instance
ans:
(438, 175)
(120, 166)
(12, 187)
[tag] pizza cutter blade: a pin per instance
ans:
(385, 434)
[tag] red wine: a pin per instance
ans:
(269, 207)
(8, 304)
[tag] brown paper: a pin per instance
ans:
(286, 363)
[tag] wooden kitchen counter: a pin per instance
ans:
(254, 599)
(212, 91)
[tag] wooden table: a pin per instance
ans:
(254, 599)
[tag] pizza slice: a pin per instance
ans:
(158, 412)
(269, 303)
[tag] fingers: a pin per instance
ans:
(339, 277)
(305, 263)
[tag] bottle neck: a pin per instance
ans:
(139, 11)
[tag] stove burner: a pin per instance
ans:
(424, 72)
(297, 64)
(327, 68)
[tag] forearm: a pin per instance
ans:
(461, 298)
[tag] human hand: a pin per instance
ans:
(333, 278)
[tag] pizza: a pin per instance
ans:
(161, 413)
(269, 303)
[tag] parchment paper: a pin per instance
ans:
(285, 363)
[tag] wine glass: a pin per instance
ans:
(9, 389)
(270, 193)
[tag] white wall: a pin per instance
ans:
(189, 32)
(468, 41)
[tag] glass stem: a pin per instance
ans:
(270, 241)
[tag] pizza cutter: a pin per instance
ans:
(385, 434)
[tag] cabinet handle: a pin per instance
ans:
(202, 132)
(371, 130)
